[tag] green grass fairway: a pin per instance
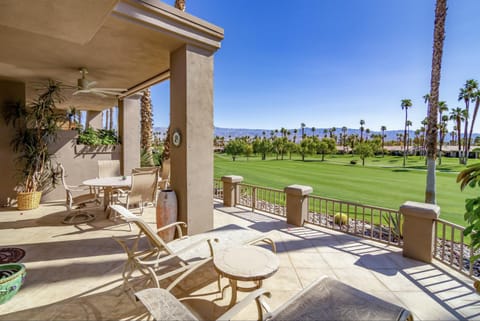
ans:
(382, 182)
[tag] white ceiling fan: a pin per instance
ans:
(84, 86)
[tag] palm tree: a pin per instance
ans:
(313, 131)
(466, 94)
(362, 122)
(431, 144)
(442, 126)
(406, 103)
(146, 123)
(475, 98)
(344, 137)
(458, 116)
(367, 132)
(295, 131)
(302, 125)
(424, 123)
(383, 129)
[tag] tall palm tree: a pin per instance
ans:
(302, 126)
(408, 123)
(466, 94)
(406, 103)
(295, 131)
(475, 98)
(424, 123)
(344, 137)
(431, 144)
(383, 129)
(442, 126)
(313, 131)
(458, 116)
(367, 132)
(362, 122)
(146, 122)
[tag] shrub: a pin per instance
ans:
(353, 162)
(97, 137)
(340, 219)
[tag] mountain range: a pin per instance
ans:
(240, 132)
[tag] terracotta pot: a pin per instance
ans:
(166, 213)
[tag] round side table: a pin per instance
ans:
(245, 263)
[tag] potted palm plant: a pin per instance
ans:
(36, 125)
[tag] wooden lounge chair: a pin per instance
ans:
(178, 258)
(324, 299)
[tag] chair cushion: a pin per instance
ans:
(329, 299)
(162, 305)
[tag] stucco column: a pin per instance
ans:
(94, 119)
(191, 116)
(418, 230)
(231, 192)
(297, 203)
(129, 132)
(10, 92)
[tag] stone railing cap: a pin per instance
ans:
(232, 179)
(300, 190)
(423, 210)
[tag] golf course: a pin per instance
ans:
(383, 181)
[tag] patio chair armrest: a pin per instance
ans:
(267, 240)
(178, 225)
(256, 295)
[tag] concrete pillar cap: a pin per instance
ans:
(300, 190)
(420, 210)
(232, 179)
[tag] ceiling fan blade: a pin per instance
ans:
(111, 89)
(100, 94)
(91, 84)
(81, 91)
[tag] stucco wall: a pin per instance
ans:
(9, 92)
(79, 161)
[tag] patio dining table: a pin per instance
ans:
(108, 184)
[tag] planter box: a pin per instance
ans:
(101, 149)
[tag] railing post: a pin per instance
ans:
(297, 203)
(254, 197)
(231, 192)
(418, 230)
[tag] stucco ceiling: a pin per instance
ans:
(49, 39)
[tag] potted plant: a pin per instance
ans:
(36, 125)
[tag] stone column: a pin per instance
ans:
(129, 132)
(94, 119)
(231, 192)
(191, 117)
(418, 230)
(297, 203)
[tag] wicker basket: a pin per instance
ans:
(28, 201)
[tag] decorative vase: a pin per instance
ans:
(28, 200)
(12, 276)
(166, 213)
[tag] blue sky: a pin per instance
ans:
(331, 63)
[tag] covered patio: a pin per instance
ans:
(128, 45)
(74, 271)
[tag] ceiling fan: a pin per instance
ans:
(85, 86)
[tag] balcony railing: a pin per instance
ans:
(450, 248)
(263, 199)
(370, 222)
(380, 224)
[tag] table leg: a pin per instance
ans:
(233, 300)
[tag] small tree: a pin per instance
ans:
(364, 150)
(235, 147)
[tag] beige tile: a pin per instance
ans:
(307, 260)
(339, 259)
(425, 307)
(286, 279)
(359, 278)
(308, 275)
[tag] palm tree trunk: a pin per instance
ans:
(438, 38)
(475, 111)
(405, 139)
(465, 132)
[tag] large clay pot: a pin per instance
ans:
(166, 213)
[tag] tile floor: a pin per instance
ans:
(74, 271)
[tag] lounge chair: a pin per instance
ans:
(178, 258)
(324, 299)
